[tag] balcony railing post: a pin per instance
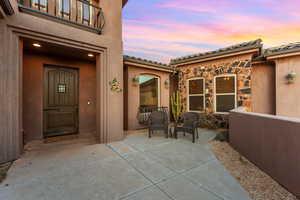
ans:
(87, 15)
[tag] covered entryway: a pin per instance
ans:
(59, 92)
(60, 101)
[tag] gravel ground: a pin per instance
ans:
(259, 185)
(3, 170)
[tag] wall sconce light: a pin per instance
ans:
(136, 80)
(291, 77)
(167, 83)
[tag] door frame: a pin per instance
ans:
(44, 93)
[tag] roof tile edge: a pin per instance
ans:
(147, 62)
(222, 51)
(282, 49)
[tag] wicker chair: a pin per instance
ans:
(158, 120)
(190, 125)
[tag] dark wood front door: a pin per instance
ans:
(60, 101)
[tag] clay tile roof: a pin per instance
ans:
(231, 49)
(289, 48)
(147, 62)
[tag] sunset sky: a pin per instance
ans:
(164, 29)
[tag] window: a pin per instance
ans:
(64, 7)
(149, 91)
(196, 97)
(61, 88)
(225, 93)
(86, 12)
(40, 4)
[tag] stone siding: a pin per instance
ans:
(239, 65)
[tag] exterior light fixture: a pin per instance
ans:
(136, 80)
(167, 83)
(36, 45)
(90, 55)
(291, 77)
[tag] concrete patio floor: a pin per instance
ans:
(137, 168)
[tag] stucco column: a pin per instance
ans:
(113, 59)
(10, 96)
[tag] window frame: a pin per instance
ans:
(61, 11)
(224, 94)
(158, 88)
(195, 95)
(89, 21)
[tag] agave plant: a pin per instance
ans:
(176, 106)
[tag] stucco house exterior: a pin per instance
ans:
(280, 66)
(62, 72)
(147, 85)
(57, 60)
(243, 75)
(217, 81)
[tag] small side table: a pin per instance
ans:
(175, 127)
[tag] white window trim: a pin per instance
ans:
(215, 92)
(195, 95)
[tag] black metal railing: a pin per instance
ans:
(74, 12)
(145, 112)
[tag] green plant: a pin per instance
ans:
(176, 106)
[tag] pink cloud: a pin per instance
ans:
(195, 5)
(167, 37)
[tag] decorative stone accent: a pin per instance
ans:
(245, 91)
(242, 69)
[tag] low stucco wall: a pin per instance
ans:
(132, 100)
(33, 68)
(263, 89)
(287, 95)
(271, 142)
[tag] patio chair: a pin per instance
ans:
(158, 120)
(190, 125)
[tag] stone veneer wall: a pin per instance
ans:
(241, 66)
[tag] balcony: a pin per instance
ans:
(78, 13)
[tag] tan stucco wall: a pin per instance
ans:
(132, 94)
(33, 67)
(287, 95)
(263, 88)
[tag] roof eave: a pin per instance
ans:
(218, 56)
(284, 54)
(148, 66)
